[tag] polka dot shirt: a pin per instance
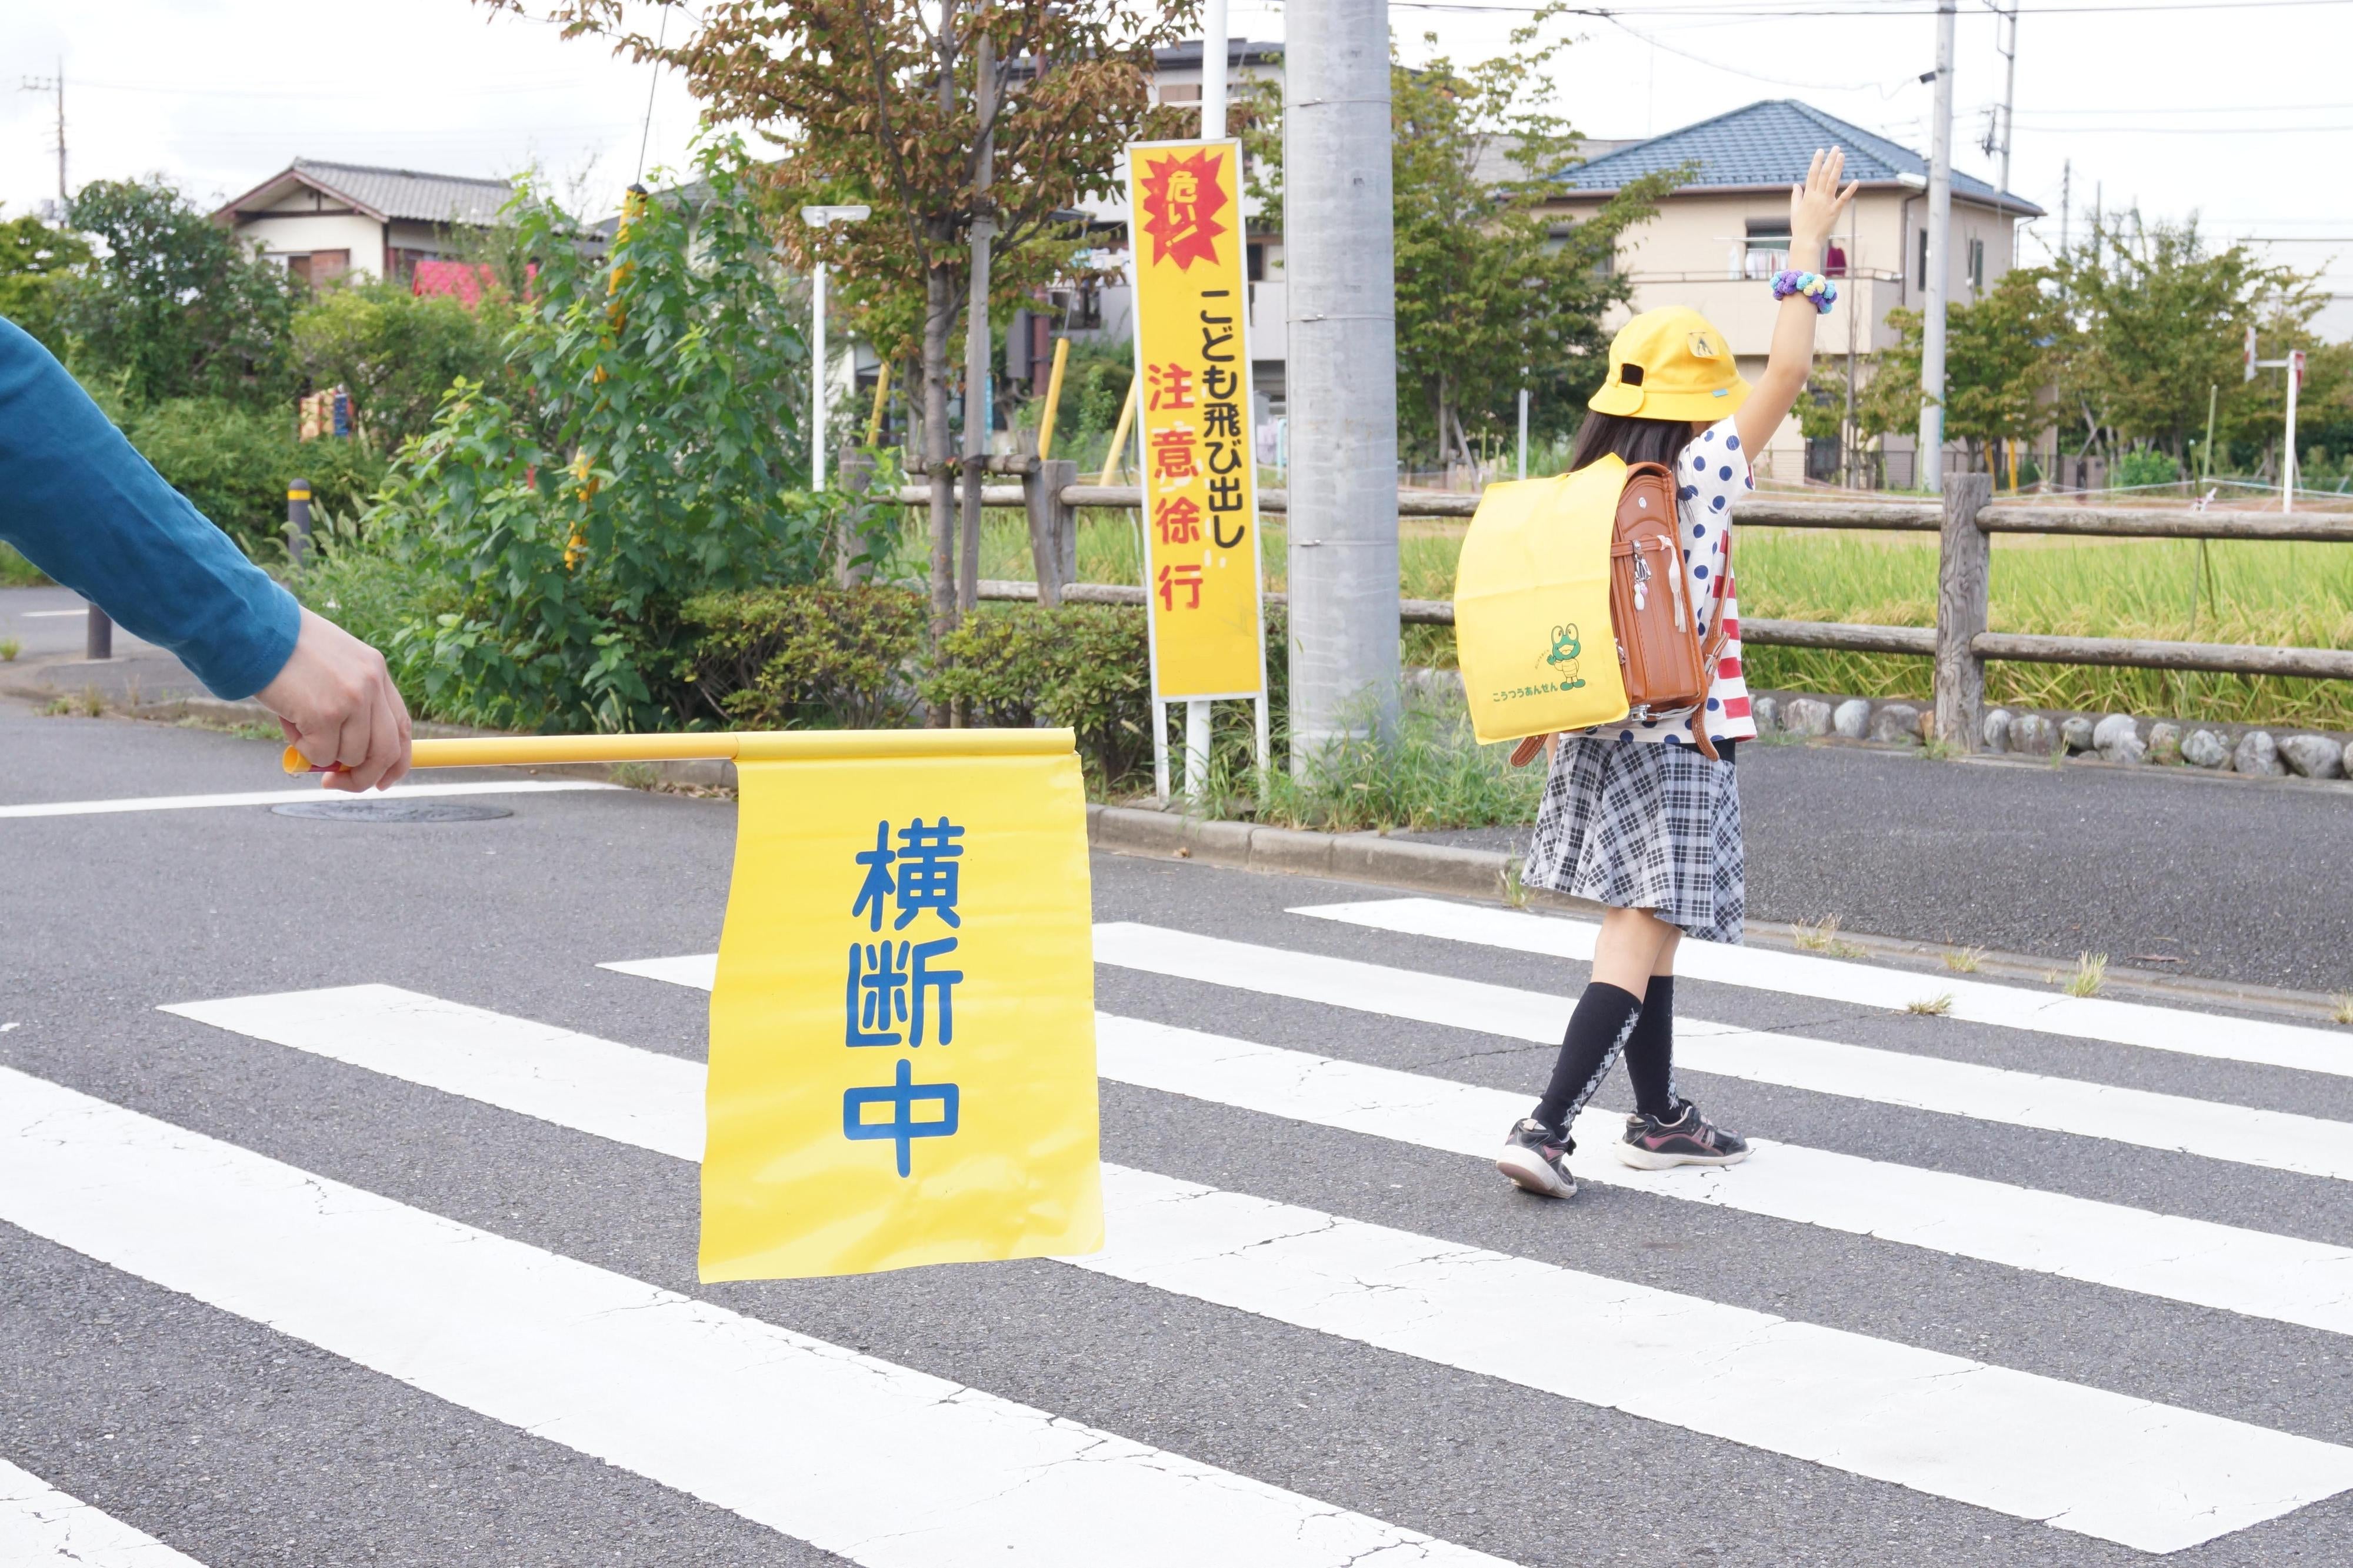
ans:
(1710, 475)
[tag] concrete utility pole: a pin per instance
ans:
(821, 218)
(2008, 94)
(1340, 261)
(98, 632)
(1931, 465)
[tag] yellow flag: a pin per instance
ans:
(1531, 628)
(902, 1058)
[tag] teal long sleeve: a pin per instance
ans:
(79, 501)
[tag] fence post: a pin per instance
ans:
(853, 472)
(1964, 564)
(1053, 527)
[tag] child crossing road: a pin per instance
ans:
(1634, 815)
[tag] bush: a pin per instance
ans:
(233, 464)
(2146, 467)
(397, 353)
(648, 452)
(818, 657)
(1082, 666)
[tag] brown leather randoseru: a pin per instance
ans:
(1666, 667)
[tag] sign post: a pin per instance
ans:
(1201, 570)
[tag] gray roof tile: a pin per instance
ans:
(407, 194)
(1770, 143)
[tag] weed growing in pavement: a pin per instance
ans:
(89, 705)
(635, 775)
(2091, 974)
(1935, 1006)
(1516, 889)
(1822, 936)
(2343, 1002)
(1941, 750)
(1964, 959)
(244, 730)
(9, 648)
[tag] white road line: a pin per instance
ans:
(2253, 1273)
(2102, 1464)
(286, 796)
(51, 614)
(41, 1527)
(2175, 1030)
(885, 1466)
(2276, 1140)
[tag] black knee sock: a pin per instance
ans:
(1650, 1050)
(1605, 1016)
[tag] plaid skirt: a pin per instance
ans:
(1636, 824)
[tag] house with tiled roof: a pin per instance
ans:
(321, 219)
(1720, 237)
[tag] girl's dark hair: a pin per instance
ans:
(1636, 439)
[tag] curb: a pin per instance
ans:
(1488, 875)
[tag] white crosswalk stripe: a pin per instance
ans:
(41, 1527)
(2252, 1040)
(289, 796)
(2280, 1140)
(2252, 1272)
(670, 1387)
(2080, 1459)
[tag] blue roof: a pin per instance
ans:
(1771, 144)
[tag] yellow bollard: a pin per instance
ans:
(1053, 399)
(881, 402)
(1119, 437)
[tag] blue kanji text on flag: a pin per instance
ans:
(902, 1096)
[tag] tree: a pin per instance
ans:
(1490, 296)
(649, 452)
(174, 306)
(2160, 319)
(2000, 354)
(875, 101)
(396, 354)
(33, 258)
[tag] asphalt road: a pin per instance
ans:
(2168, 870)
(239, 1444)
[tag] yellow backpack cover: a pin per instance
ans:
(1531, 628)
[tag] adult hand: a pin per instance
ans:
(337, 704)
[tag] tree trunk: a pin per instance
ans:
(939, 316)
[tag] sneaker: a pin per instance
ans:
(1688, 1139)
(1535, 1158)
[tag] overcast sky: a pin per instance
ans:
(2237, 112)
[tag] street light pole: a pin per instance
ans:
(1940, 229)
(821, 218)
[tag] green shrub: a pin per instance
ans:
(15, 572)
(2147, 467)
(650, 451)
(233, 464)
(397, 353)
(1082, 666)
(816, 656)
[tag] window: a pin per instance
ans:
(1768, 249)
(1080, 308)
(1924, 258)
(1257, 263)
(1977, 265)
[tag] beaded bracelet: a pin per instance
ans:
(1819, 291)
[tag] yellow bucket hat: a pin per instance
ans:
(1669, 364)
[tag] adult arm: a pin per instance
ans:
(1814, 209)
(79, 503)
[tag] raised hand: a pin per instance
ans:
(1814, 206)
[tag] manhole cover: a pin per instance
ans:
(392, 810)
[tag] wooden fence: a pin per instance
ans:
(1965, 519)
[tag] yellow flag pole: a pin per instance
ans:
(1119, 437)
(739, 745)
(1053, 399)
(881, 393)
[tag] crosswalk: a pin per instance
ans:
(686, 1393)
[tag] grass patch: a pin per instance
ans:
(1935, 1006)
(1822, 936)
(1964, 959)
(9, 648)
(2090, 974)
(2342, 1003)
(1432, 774)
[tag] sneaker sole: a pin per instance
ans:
(1645, 1160)
(1529, 1172)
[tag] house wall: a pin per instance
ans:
(294, 227)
